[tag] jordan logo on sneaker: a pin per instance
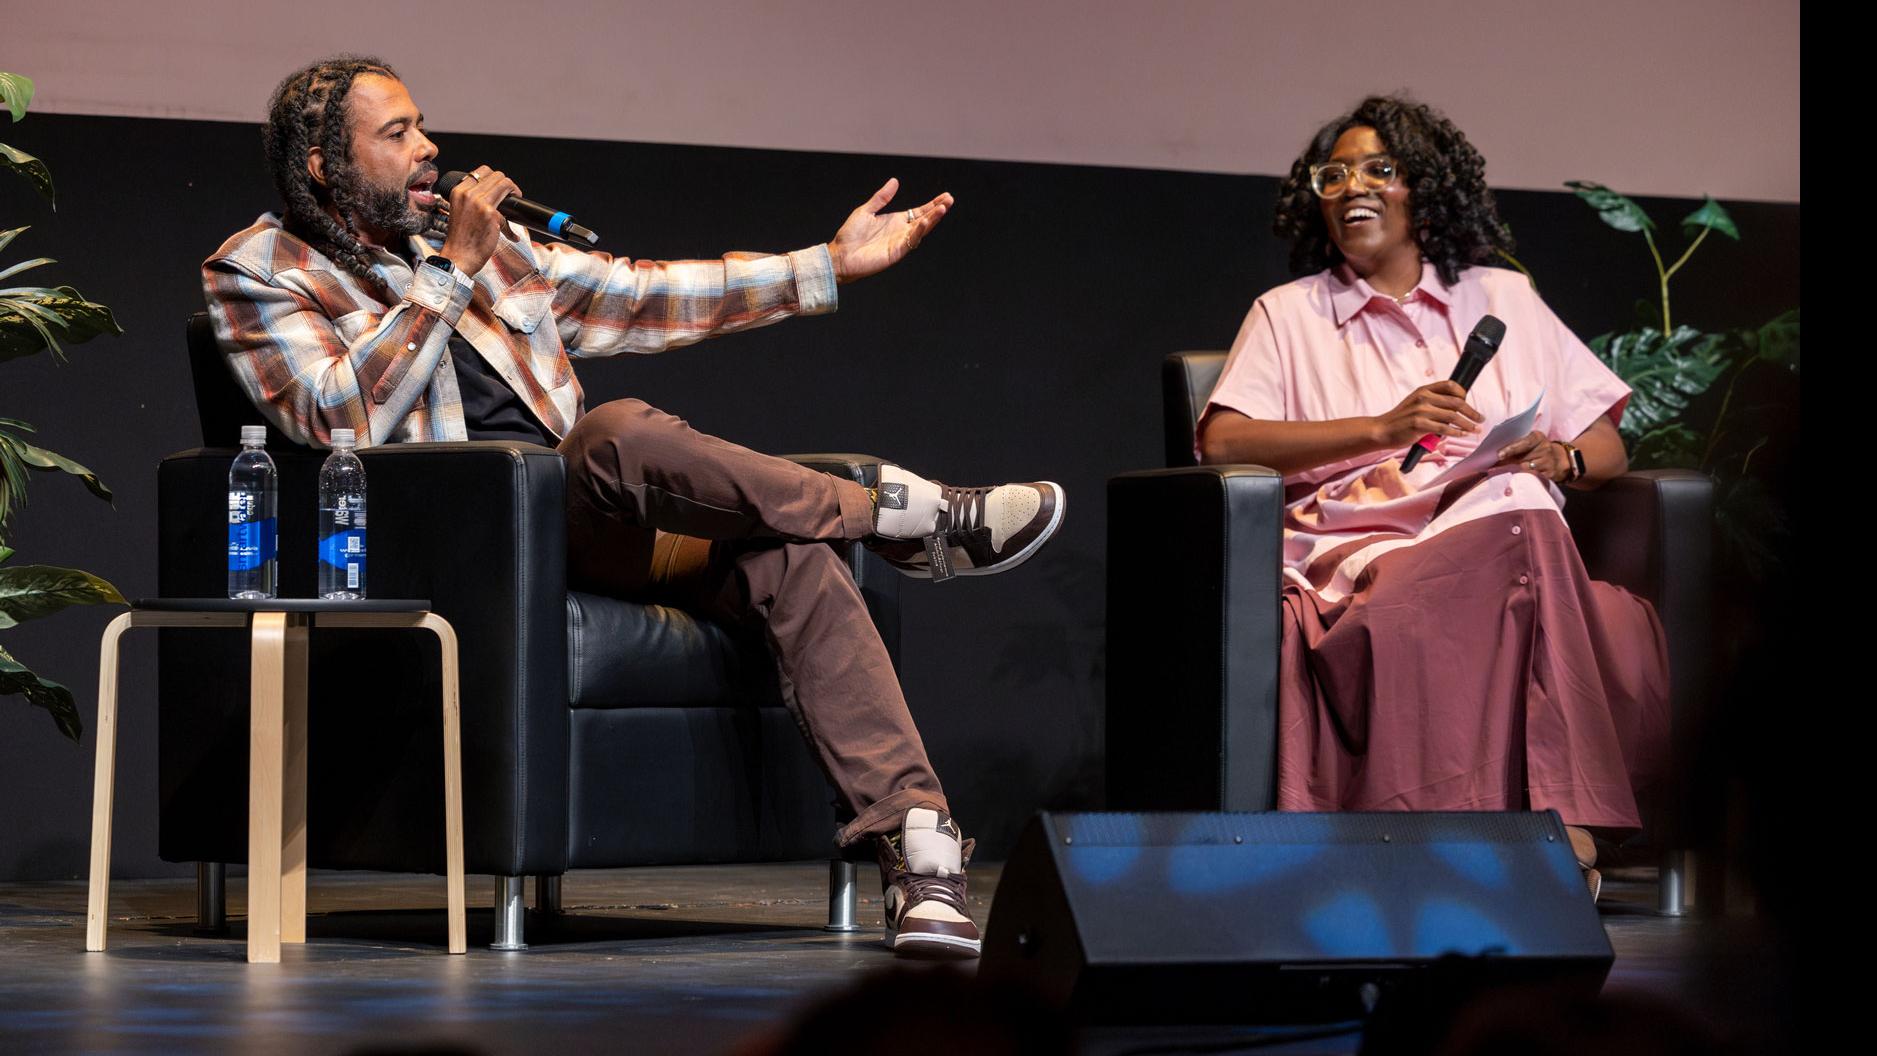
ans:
(892, 496)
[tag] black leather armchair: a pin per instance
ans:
(596, 732)
(1193, 634)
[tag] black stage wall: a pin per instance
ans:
(1022, 340)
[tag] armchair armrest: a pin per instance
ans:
(1651, 533)
(1194, 572)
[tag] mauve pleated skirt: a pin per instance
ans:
(1481, 669)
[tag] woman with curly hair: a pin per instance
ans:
(1443, 648)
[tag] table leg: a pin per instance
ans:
(103, 784)
(452, 783)
(265, 701)
(293, 781)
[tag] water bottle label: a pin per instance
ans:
(250, 544)
(345, 549)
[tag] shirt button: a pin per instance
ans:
(1428, 373)
(1524, 580)
(411, 347)
(1516, 529)
(1420, 344)
(1508, 493)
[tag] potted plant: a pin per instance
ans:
(35, 319)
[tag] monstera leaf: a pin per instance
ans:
(1664, 374)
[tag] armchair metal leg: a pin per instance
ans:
(211, 897)
(1671, 892)
(843, 896)
(547, 894)
(510, 913)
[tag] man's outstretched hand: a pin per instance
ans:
(872, 241)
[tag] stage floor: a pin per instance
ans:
(695, 959)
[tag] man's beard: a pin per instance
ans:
(390, 210)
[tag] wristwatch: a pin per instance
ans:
(438, 260)
(1577, 460)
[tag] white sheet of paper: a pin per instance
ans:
(1486, 455)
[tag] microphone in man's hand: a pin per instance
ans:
(534, 216)
(1480, 346)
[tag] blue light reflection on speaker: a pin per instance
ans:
(1109, 847)
(1199, 868)
(1479, 862)
(1446, 926)
(1203, 866)
(1349, 925)
(1103, 865)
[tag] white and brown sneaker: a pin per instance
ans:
(922, 869)
(930, 530)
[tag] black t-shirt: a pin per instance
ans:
(491, 410)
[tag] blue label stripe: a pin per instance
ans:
(558, 221)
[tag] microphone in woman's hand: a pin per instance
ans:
(1481, 344)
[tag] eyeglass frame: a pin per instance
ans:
(1349, 181)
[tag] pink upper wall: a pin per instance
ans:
(1676, 97)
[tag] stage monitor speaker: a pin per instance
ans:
(1290, 918)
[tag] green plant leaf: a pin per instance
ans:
(17, 90)
(25, 265)
(1671, 446)
(5, 552)
(28, 592)
(1710, 215)
(1664, 374)
(15, 678)
(30, 167)
(1615, 209)
(24, 313)
(1777, 341)
(47, 461)
(7, 237)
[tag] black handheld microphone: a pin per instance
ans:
(1481, 344)
(534, 216)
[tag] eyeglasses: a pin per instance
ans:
(1333, 179)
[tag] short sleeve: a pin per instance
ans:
(1581, 388)
(1252, 382)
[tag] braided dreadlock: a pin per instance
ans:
(1455, 220)
(309, 110)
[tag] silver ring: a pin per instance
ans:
(1533, 466)
(912, 216)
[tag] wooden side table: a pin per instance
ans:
(278, 630)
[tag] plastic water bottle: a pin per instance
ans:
(253, 534)
(342, 521)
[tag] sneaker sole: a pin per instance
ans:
(925, 944)
(1048, 533)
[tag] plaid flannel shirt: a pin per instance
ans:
(317, 348)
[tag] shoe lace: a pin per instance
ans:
(919, 887)
(965, 509)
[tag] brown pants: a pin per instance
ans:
(658, 512)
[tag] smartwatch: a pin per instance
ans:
(1577, 460)
(438, 260)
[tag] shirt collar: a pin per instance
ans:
(1350, 293)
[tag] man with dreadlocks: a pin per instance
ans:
(372, 304)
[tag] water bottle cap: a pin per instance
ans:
(253, 434)
(344, 438)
